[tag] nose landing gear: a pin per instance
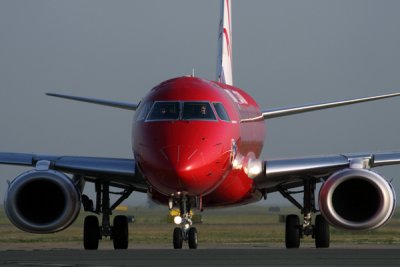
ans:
(185, 232)
(189, 235)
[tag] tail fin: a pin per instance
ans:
(224, 63)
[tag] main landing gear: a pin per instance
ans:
(185, 232)
(93, 231)
(294, 230)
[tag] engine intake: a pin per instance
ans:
(42, 201)
(357, 199)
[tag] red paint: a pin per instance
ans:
(195, 156)
(230, 30)
(227, 41)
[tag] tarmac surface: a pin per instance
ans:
(204, 257)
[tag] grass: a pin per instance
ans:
(242, 225)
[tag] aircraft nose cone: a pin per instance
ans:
(190, 168)
(178, 153)
(181, 160)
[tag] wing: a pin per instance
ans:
(286, 111)
(114, 104)
(118, 172)
(289, 173)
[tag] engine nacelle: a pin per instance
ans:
(42, 201)
(357, 199)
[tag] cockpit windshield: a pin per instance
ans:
(184, 110)
(164, 111)
(197, 111)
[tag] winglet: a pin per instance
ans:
(114, 104)
(224, 61)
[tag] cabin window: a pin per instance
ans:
(197, 111)
(164, 111)
(222, 114)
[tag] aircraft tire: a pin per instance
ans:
(321, 232)
(91, 233)
(192, 236)
(292, 231)
(120, 232)
(178, 238)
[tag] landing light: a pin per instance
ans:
(254, 168)
(237, 162)
(178, 220)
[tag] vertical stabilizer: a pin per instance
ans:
(224, 63)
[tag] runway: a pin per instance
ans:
(203, 257)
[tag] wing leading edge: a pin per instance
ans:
(286, 111)
(119, 172)
(290, 173)
(114, 104)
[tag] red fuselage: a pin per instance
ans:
(178, 151)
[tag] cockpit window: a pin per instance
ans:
(197, 111)
(190, 110)
(222, 114)
(143, 110)
(164, 111)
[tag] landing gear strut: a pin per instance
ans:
(186, 232)
(295, 230)
(93, 231)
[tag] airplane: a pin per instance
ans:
(197, 145)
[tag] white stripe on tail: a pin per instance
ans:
(224, 63)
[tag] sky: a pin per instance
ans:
(285, 52)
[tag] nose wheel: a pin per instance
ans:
(178, 238)
(185, 232)
(189, 235)
(192, 238)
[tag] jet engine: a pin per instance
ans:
(42, 201)
(357, 199)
